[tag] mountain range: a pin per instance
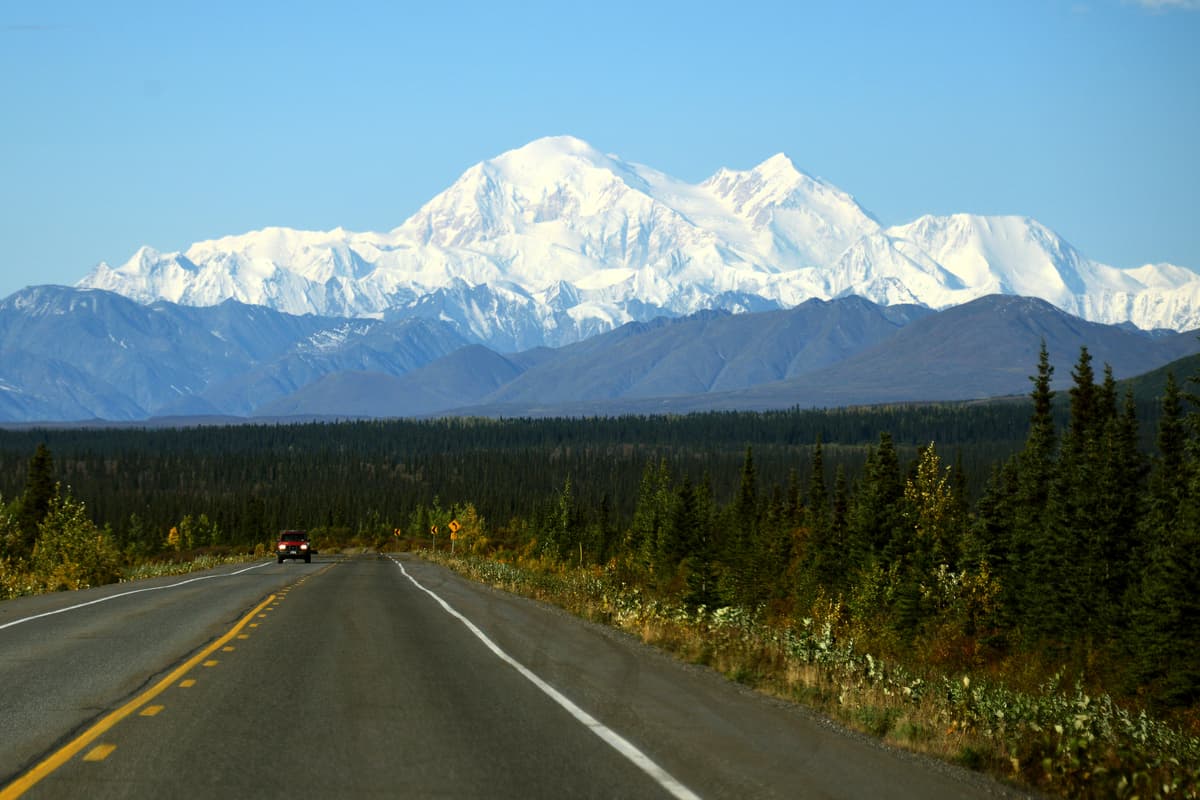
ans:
(555, 279)
(85, 354)
(555, 242)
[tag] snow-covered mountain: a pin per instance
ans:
(554, 242)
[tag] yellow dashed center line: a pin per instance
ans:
(77, 745)
(151, 711)
(212, 662)
(187, 684)
(100, 752)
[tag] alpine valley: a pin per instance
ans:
(557, 279)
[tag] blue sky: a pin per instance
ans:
(124, 124)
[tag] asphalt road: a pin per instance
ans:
(370, 676)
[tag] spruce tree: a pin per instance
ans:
(40, 491)
(1115, 510)
(1164, 629)
(679, 534)
(742, 539)
(818, 496)
(1086, 408)
(1065, 567)
(877, 505)
(1169, 476)
(795, 505)
(703, 578)
(1163, 632)
(839, 522)
(824, 559)
(992, 541)
(650, 514)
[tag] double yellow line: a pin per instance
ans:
(73, 748)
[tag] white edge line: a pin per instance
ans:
(611, 737)
(126, 594)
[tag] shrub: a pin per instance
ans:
(70, 551)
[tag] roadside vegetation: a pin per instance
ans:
(1054, 735)
(1011, 586)
(49, 543)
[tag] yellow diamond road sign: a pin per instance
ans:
(454, 526)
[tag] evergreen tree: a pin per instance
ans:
(1019, 498)
(605, 530)
(795, 506)
(825, 560)
(746, 506)
(679, 533)
(1164, 630)
(1169, 472)
(877, 516)
(1108, 508)
(1106, 397)
(562, 530)
(839, 517)
(995, 521)
(741, 541)
(650, 514)
(703, 579)
(1086, 408)
(40, 491)
(818, 496)
(1122, 490)
(1066, 566)
(773, 551)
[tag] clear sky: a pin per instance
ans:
(165, 123)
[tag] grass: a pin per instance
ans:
(158, 569)
(20, 582)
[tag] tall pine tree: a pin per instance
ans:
(40, 491)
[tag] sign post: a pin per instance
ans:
(433, 533)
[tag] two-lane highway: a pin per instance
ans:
(388, 677)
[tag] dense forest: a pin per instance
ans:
(366, 477)
(1049, 529)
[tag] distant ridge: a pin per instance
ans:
(71, 354)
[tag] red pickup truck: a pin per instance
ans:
(294, 544)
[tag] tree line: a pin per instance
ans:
(365, 477)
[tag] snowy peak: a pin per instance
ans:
(548, 180)
(277, 245)
(808, 220)
(550, 161)
(556, 241)
(775, 181)
(1001, 254)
